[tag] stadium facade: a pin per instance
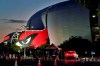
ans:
(11, 38)
(58, 22)
(33, 38)
(7, 38)
(63, 20)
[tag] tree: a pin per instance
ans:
(77, 44)
(14, 48)
(96, 48)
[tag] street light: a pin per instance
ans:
(24, 45)
(85, 54)
(92, 53)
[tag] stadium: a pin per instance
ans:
(63, 20)
(54, 24)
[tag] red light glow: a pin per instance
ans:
(70, 56)
(6, 38)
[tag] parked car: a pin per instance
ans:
(70, 56)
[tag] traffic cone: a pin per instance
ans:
(39, 63)
(33, 58)
(57, 58)
(55, 62)
(16, 63)
(47, 58)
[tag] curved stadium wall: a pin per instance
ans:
(64, 20)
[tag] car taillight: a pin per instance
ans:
(67, 54)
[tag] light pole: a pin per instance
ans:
(85, 54)
(92, 53)
(24, 45)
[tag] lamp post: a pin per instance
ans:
(92, 53)
(24, 45)
(85, 54)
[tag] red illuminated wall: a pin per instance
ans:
(6, 38)
(38, 40)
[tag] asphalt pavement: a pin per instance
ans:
(30, 62)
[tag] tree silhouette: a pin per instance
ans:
(96, 48)
(77, 44)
